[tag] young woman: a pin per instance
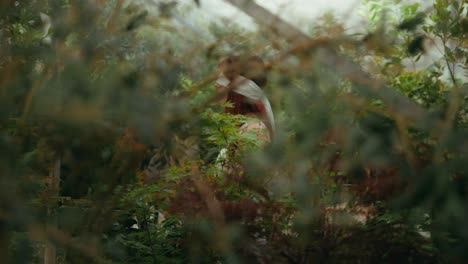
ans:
(244, 93)
(246, 98)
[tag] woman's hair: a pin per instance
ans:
(241, 105)
(230, 67)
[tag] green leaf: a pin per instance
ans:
(416, 46)
(411, 24)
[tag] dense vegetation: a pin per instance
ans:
(109, 133)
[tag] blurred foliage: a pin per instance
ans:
(109, 136)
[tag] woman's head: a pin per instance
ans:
(252, 67)
(230, 67)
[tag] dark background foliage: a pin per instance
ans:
(109, 135)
